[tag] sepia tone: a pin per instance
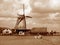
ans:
(29, 22)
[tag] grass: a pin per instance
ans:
(29, 40)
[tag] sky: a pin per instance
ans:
(44, 13)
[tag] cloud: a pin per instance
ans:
(53, 15)
(7, 19)
(7, 0)
(39, 5)
(54, 4)
(46, 6)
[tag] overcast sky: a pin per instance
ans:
(44, 13)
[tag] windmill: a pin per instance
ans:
(21, 18)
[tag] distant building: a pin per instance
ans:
(39, 29)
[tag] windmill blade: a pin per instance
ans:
(28, 16)
(21, 18)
